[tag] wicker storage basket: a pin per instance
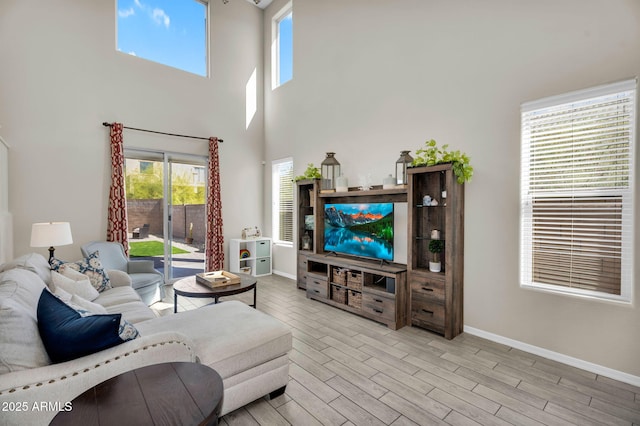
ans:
(354, 280)
(338, 294)
(354, 299)
(339, 275)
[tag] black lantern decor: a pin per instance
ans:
(330, 170)
(401, 167)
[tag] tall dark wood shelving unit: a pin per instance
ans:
(307, 192)
(436, 298)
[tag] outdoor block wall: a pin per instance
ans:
(140, 212)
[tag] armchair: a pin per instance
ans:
(145, 280)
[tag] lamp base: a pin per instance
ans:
(51, 250)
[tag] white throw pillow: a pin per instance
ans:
(78, 302)
(62, 294)
(75, 283)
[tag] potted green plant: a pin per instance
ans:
(431, 155)
(312, 172)
(435, 247)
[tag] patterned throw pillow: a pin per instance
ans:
(69, 334)
(89, 266)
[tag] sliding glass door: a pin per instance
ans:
(166, 211)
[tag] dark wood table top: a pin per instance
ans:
(177, 393)
(188, 287)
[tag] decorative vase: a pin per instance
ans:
(342, 184)
(435, 266)
(306, 241)
(389, 182)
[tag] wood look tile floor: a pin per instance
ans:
(347, 370)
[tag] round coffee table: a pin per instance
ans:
(188, 287)
(176, 393)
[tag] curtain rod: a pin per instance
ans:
(161, 133)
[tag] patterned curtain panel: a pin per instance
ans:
(117, 220)
(214, 245)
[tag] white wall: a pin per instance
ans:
(61, 77)
(374, 77)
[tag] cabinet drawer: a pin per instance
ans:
(384, 307)
(339, 275)
(263, 248)
(302, 271)
(427, 313)
(317, 285)
(302, 279)
(428, 288)
(263, 266)
(354, 280)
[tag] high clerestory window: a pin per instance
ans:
(282, 46)
(170, 32)
(577, 190)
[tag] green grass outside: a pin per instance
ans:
(151, 248)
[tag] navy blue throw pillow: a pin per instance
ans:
(67, 335)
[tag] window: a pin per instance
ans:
(170, 32)
(282, 47)
(282, 211)
(577, 192)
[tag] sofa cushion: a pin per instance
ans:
(118, 296)
(78, 303)
(68, 335)
(33, 262)
(20, 345)
(143, 279)
(134, 312)
(89, 266)
(230, 337)
(74, 284)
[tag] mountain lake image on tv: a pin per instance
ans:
(362, 229)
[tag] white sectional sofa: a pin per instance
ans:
(248, 348)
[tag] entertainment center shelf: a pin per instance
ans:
(394, 194)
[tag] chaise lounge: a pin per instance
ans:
(249, 349)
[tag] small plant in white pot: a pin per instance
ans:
(435, 247)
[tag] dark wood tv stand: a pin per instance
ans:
(367, 288)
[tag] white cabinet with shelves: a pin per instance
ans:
(250, 256)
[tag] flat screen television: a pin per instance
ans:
(359, 229)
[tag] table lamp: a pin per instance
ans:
(51, 234)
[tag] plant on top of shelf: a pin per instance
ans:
(431, 155)
(312, 172)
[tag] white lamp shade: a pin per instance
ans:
(51, 234)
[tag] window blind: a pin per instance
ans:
(283, 200)
(577, 191)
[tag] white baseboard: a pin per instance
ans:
(556, 356)
(284, 274)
